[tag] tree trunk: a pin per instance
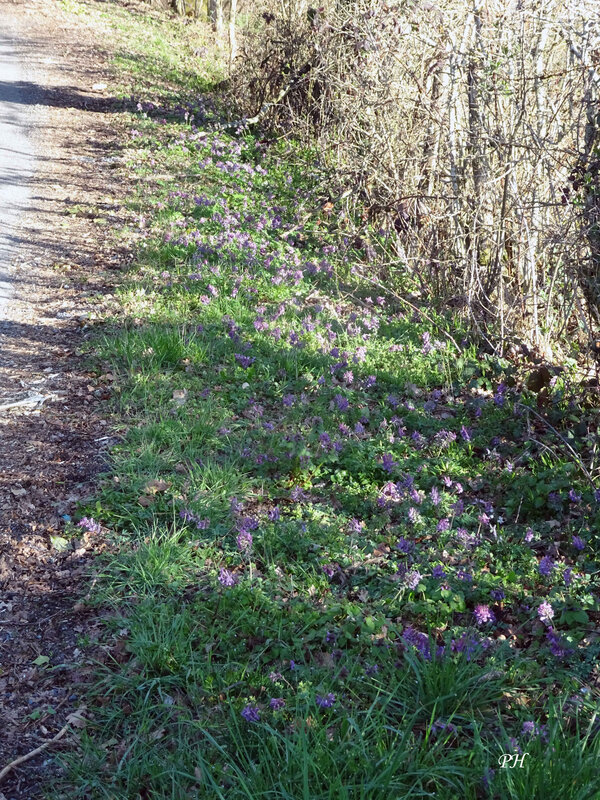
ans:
(232, 32)
(215, 12)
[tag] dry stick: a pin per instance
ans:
(576, 458)
(413, 306)
(33, 753)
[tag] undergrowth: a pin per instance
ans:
(352, 556)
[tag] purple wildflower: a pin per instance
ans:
(200, 523)
(251, 713)
(545, 612)
(438, 572)
(274, 514)
(413, 515)
(247, 524)
(528, 535)
(557, 647)
(90, 524)
(297, 494)
(235, 506)
(244, 361)
(420, 641)
(439, 726)
(418, 440)
(574, 496)
(416, 496)
(388, 462)
(444, 438)
(443, 525)
(483, 614)
(531, 728)
(277, 703)
(325, 441)
(435, 496)
(341, 402)
(413, 579)
(488, 777)
(355, 526)
(546, 566)
(458, 507)
(465, 434)
(568, 576)
(514, 743)
(578, 543)
(325, 701)
(554, 499)
(499, 396)
(467, 645)
(227, 578)
(244, 541)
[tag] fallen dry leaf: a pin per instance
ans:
(77, 719)
(155, 486)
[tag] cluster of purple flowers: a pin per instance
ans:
(545, 612)
(244, 361)
(412, 579)
(483, 614)
(244, 541)
(418, 640)
(557, 646)
(227, 578)
(439, 726)
(202, 523)
(251, 713)
(546, 566)
(325, 701)
(90, 525)
(533, 729)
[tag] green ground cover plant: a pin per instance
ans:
(353, 557)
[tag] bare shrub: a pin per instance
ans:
(470, 132)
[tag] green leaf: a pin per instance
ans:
(59, 543)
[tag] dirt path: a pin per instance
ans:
(55, 267)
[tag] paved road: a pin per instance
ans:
(16, 158)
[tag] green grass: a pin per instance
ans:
(299, 461)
